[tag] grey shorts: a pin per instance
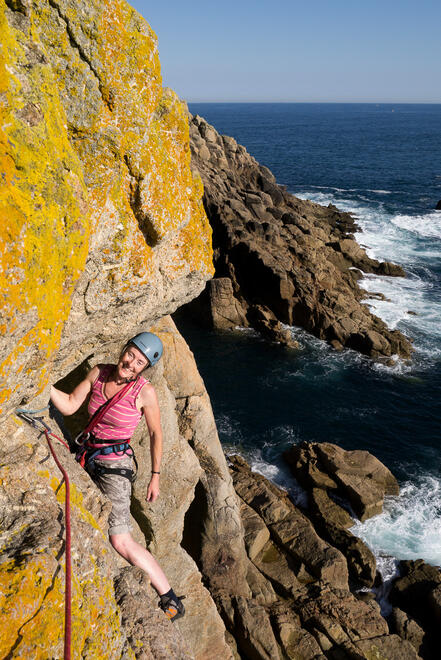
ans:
(119, 491)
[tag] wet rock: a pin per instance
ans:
(412, 591)
(331, 522)
(267, 324)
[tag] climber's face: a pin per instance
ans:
(131, 363)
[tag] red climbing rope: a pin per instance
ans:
(68, 568)
(40, 425)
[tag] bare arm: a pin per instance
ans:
(149, 403)
(67, 404)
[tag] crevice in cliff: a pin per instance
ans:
(143, 219)
(106, 94)
(17, 5)
(194, 520)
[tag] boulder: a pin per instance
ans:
(412, 591)
(338, 614)
(289, 527)
(253, 630)
(355, 475)
(296, 642)
(278, 568)
(256, 532)
(331, 521)
(267, 324)
(391, 647)
(406, 628)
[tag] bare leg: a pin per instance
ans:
(139, 556)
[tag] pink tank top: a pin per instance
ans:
(121, 420)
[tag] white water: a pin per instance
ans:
(410, 525)
(413, 303)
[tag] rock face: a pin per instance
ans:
(32, 522)
(302, 606)
(416, 595)
(103, 217)
(356, 475)
(289, 261)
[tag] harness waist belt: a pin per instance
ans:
(113, 449)
(92, 441)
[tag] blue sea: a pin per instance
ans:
(382, 163)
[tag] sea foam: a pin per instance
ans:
(412, 304)
(410, 525)
(427, 225)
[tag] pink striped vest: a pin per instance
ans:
(120, 421)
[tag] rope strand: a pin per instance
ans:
(39, 424)
(68, 562)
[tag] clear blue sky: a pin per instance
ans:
(285, 50)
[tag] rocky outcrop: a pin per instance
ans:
(104, 222)
(302, 604)
(355, 475)
(289, 261)
(416, 595)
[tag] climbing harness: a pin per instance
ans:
(87, 452)
(40, 425)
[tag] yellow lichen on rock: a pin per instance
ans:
(96, 161)
(32, 618)
(44, 229)
(32, 583)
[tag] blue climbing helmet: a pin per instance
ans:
(150, 346)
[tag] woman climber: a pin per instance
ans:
(118, 397)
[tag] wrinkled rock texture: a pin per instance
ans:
(102, 217)
(289, 261)
(304, 606)
(114, 608)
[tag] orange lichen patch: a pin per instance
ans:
(32, 609)
(127, 47)
(166, 198)
(44, 233)
(22, 592)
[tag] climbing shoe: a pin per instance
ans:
(172, 606)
